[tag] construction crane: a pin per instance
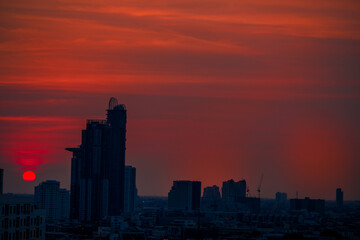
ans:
(259, 187)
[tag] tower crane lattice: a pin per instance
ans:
(259, 187)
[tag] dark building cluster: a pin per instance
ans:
(186, 196)
(20, 218)
(103, 203)
(311, 205)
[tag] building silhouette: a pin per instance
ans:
(1, 180)
(20, 218)
(130, 193)
(211, 198)
(211, 193)
(97, 167)
(55, 201)
(233, 191)
(184, 195)
(75, 183)
(281, 200)
(339, 199)
(64, 198)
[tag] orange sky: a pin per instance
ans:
(214, 89)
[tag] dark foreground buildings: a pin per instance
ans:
(311, 205)
(20, 218)
(52, 198)
(97, 167)
(184, 195)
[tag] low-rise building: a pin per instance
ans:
(20, 218)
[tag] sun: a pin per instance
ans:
(29, 176)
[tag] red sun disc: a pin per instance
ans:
(29, 176)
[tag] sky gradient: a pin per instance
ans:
(214, 90)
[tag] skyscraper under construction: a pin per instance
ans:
(97, 167)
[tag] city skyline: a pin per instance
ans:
(214, 91)
(252, 193)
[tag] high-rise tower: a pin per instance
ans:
(97, 168)
(115, 151)
(339, 199)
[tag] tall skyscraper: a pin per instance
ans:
(130, 189)
(339, 199)
(55, 201)
(184, 195)
(234, 191)
(115, 151)
(97, 168)
(1, 180)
